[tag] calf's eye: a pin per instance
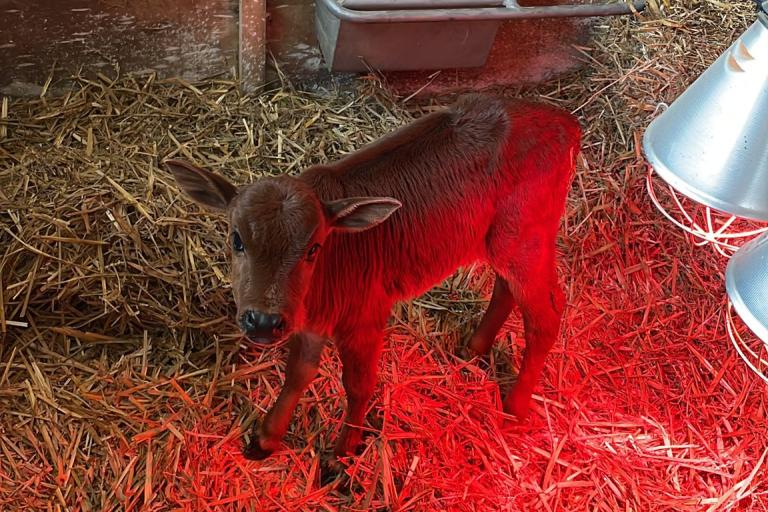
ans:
(237, 242)
(312, 252)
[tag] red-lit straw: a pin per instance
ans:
(751, 349)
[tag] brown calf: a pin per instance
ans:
(326, 254)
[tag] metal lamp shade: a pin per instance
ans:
(711, 144)
(746, 281)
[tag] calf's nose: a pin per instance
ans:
(262, 327)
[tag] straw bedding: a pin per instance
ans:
(124, 384)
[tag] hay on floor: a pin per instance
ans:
(124, 384)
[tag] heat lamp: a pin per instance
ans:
(711, 148)
(746, 281)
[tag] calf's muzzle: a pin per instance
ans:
(262, 327)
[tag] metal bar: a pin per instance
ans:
(492, 13)
(388, 5)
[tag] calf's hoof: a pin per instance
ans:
(517, 407)
(478, 346)
(463, 352)
(350, 445)
(254, 451)
(331, 470)
(474, 348)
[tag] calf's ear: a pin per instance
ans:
(360, 213)
(203, 186)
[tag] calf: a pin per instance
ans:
(325, 255)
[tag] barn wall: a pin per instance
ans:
(187, 38)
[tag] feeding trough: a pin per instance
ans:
(392, 35)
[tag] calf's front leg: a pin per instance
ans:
(301, 370)
(359, 352)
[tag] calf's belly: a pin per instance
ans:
(416, 273)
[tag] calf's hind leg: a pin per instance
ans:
(530, 271)
(497, 313)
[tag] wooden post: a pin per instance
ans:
(252, 58)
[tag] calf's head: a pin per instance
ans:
(277, 227)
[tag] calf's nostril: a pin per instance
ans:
(248, 321)
(265, 325)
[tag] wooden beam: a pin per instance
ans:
(253, 29)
